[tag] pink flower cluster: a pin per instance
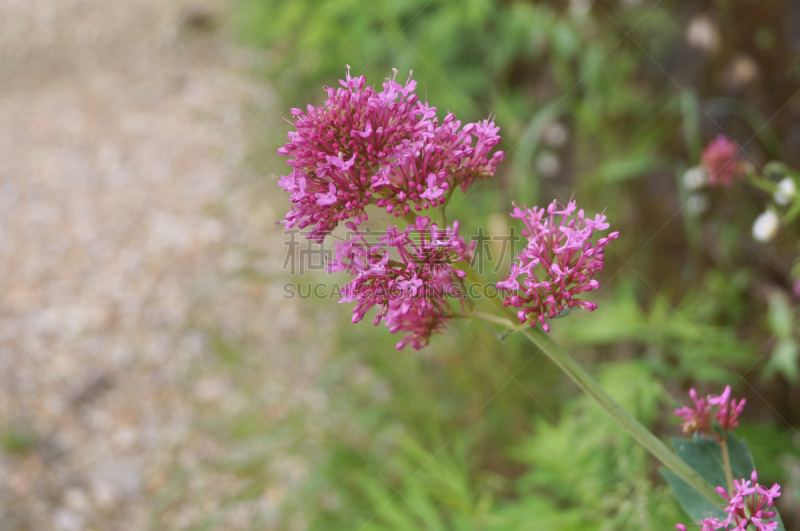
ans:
(698, 419)
(749, 503)
(384, 147)
(720, 161)
(378, 147)
(409, 275)
(558, 262)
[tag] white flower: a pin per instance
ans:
(580, 7)
(766, 226)
(694, 178)
(697, 204)
(548, 165)
(555, 135)
(787, 189)
(702, 34)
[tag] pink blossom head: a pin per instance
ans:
(427, 313)
(728, 410)
(423, 173)
(558, 263)
(749, 503)
(720, 161)
(410, 276)
(725, 410)
(365, 146)
(749, 506)
(337, 148)
(697, 419)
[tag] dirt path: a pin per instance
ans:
(127, 209)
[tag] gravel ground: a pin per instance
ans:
(130, 207)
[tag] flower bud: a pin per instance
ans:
(766, 226)
(694, 178)
(787, 189)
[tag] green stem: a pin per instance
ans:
(443, 208)
(652, 443)
(767, 185)
(492, 318)
(726, 462)
(763, 183)
(639, 432)
(792, 213)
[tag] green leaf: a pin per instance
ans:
(741, 459)
(780, 169)
(692, 132)
(780, 315)
(784, 360)
(695, 505)
(705, 456)
(633, 166)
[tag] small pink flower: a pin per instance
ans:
(408, 275)
(421, 316)
(697, 419)
(748, 503)
(557, 264)
(728, 410)
(710, 524)
(721, 163)
(433, 192)
(329, 198)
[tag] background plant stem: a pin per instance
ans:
(652, 443)
(726, 462)
(584, 380)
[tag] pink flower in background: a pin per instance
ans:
(721, 163)
(748, 504)
(697, 418)
(558, 262)
(728, 410)
(409, 275)
(386, 148)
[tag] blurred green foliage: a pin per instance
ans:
(475, 433)
(454, 442)
(527, 63)
(18, 439)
